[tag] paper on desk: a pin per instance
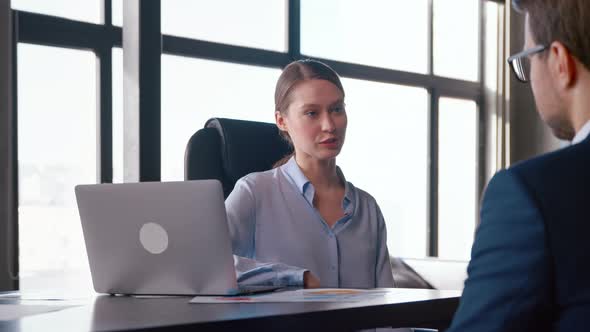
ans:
(300, 295)
(16, 311)
(40, 296)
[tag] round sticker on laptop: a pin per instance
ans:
(153, 238)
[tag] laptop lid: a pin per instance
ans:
(157, 237)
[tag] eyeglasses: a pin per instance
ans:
(521, 62)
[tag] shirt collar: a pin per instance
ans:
(582, 133)
(295, 175)
(347, 191)
(305, 187)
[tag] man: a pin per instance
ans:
(530, 264)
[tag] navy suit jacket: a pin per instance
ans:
(530, 262)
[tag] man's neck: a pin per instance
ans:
(580, 117)
(580, 102)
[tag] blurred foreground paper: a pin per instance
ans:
(301, 295)
(16, 311)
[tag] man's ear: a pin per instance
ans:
(562, 65)
(280, 121)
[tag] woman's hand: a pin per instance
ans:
(310, 280)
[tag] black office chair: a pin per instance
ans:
(227, 149)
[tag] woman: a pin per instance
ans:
(303, 213)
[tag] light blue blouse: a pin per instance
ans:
(277, 233)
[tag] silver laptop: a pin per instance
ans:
(158, 238)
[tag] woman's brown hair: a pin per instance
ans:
(294, 73)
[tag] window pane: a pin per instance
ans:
(195, 90)
(254, 23)
(117, 115)
(57, 148)
(457, 185)
(493, 60)
(456, 38)
(386, 154)
(87, 10)
(389, 34)
(117, 12)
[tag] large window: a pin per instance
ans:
(117, 72)
(386, 154)
(255, 23)
(195, 90)
(456, 38)
(57, 150)
(87, 10)
(340, 30)
(411, 71)
(457, 183)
